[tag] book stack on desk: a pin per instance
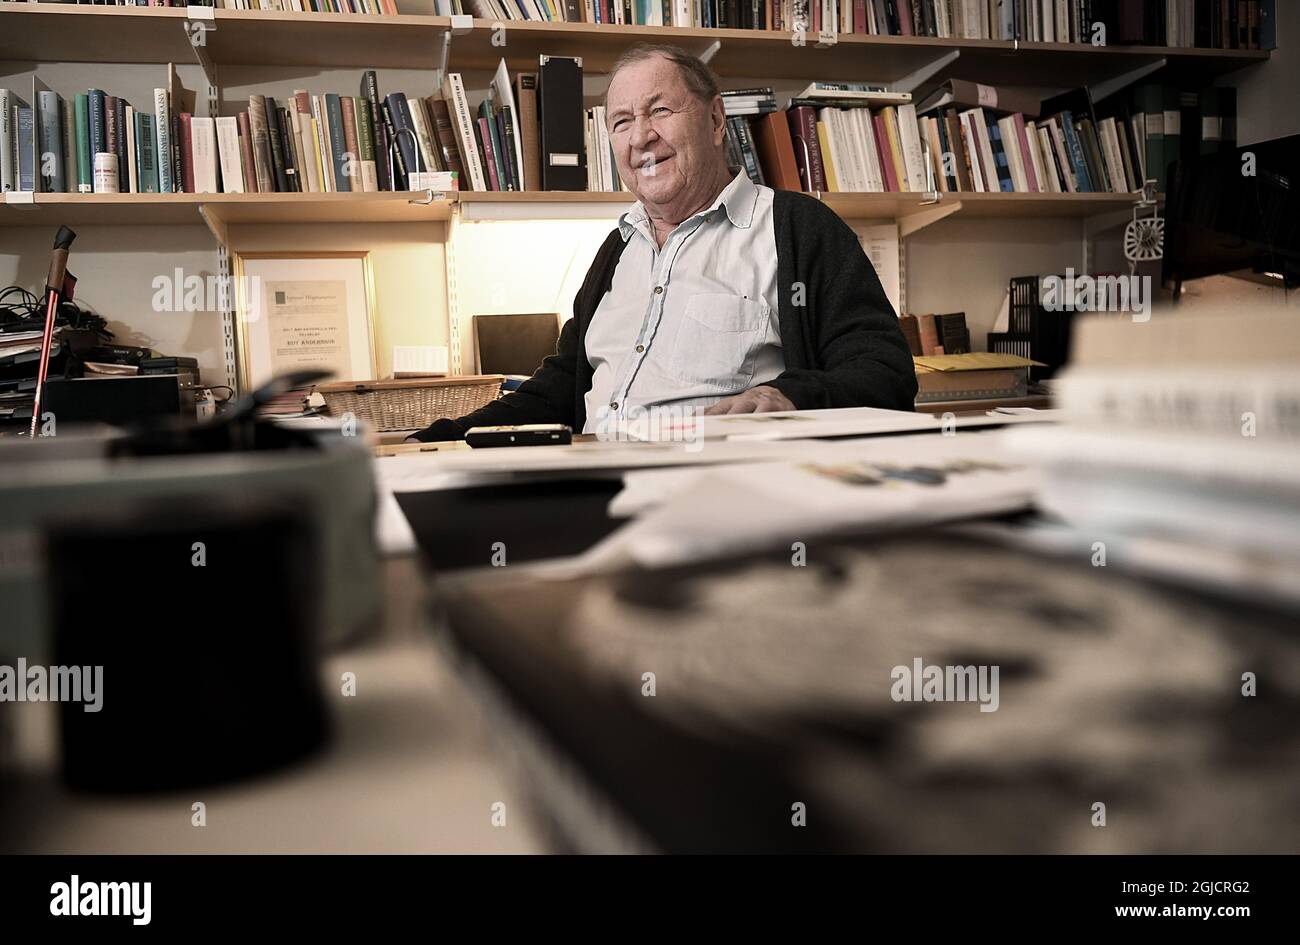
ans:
(1177, 454)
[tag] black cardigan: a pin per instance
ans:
(842, 345)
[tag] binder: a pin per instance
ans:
(559, 106)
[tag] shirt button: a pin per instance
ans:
(659, 290)
(614, 405)
(640, 348)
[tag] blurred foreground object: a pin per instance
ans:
(1177, 454)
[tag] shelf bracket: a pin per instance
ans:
(710, 51)
(1108, 87)
(928, 214)
(197, 30)
(914, 79)
(216, 225)
(424, 201)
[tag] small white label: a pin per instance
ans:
(564, 160)
(20, 197)
(1155, 123)
(987, 95)
(461, 22)
(1211, 128)
(200, 13)
(827, 38)
(1173, 123)
(431, 180)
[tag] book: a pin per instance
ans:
(247, 161)
(146, 147)
(52, 169)
(187, 152)
(378, 130)
(449, 150)
(203, 154)
(163, 130)
(260, 144)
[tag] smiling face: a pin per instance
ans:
(667, 143)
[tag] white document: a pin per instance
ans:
(855, 486)
(880, 243)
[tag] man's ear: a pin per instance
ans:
(718, 114)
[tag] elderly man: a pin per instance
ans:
(713, 292)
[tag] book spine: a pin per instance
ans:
(53, 176)
(146, 144)
(247, 162)
(68, 115)
(526, 101)
(120, 148)
(396, 162)
(257, 121)
(98, 133)
(446, 134)
(8, 168)
(403, 134)
(132, 153)
(275, 137)
(489, 157)
(187, 152)
(458, 104)
(352, 155)
(1077, 161)
(366, 144)
(338, 145)
(26, 141)
(163, 130)
(378, 132)
(511, 147)
(301, 116)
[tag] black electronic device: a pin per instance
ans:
(527, 434)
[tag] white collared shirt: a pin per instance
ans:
(695, 321)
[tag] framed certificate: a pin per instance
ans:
(304, 311)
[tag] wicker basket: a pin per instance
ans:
(410, 404)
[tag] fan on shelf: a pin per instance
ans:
(1144, 237)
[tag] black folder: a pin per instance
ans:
(560, 116)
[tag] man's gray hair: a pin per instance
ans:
(699, 78)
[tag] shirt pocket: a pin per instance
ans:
(718, 340)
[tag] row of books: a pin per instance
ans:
(1214, 24)
(1207, 23)
(372, 7)
(973, 138)
(100, 143)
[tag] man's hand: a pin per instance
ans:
(761, 399)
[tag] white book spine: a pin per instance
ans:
(232, 170)
(1036, 157)
(1015, 163)
(132, 178)
(909, 135)
(464, 122)
(203, 143)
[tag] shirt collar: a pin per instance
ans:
(738, 200)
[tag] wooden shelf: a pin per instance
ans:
(386, 207)
(49, 32)
(179, 209)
